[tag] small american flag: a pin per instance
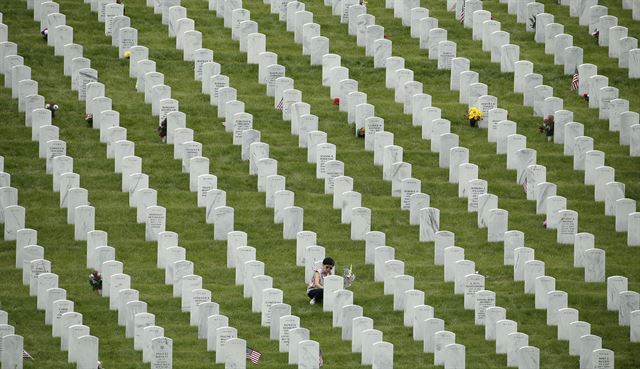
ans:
(320, 359)
(524, 185)
(253, 355)
(280, 104)
(26, 355)
(462, 15)
(575, 80)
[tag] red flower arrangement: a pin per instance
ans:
(547, 126)
(336, 101)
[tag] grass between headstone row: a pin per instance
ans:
(376, 183)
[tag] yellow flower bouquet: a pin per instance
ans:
(474, 115)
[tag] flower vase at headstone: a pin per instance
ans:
(474, 115)
(547, 126)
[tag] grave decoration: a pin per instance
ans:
(547, 127)
(95, 280)
(162, 130)
(348, 276)
(45, 33)
(532, 22)
(53, 107)
(127, 54)
(89, 119)
(336, 101)
(253, 355)
(361, 132)
(585, 96)
(474, 115)
(596, 35)
(575, 80)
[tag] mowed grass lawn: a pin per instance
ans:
(114, 216)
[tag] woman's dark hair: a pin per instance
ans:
(328, 261)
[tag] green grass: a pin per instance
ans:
(251, 216)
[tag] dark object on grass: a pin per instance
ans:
(95, 280)
(585, 96)
(89, 119)
(53, 107)
(45, 33)
(361, 132)
(162, 130)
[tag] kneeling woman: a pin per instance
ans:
(315, 289)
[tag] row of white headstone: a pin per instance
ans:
(43, 285)
(179, 272)
(11, 344)
(208, 319)
(313, 253)
(249, 271)
(132, 314)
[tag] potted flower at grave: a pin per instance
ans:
(474, 115)
(547, 126)
(95, 280)
(361, 132)
(52, 107)
(89, 119)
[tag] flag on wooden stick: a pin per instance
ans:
(575, 80)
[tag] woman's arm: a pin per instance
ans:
(316, 280)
